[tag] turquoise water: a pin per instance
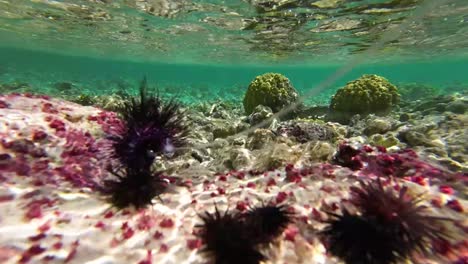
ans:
(67, 165)
(196, 83)
(212, 50)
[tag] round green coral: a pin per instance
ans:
(366, 95)
(270, 89)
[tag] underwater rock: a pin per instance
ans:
(320, 151)
(240, 158)
(415, 138)
(436, 104)
(327, 3)
(378, 126)
(270, 89)
(264, 6)
(259, 114)
(338, 24)
(165, 8)
(366, 95)
(454, 133)
(63, 86)
(304, 131)
(405, 117)
(15, 87)
(416, 91)
(313, 112)
(259, 138)
(458, 106)
(221, 110)
(224, 128)
(442, 134)
(112, 102)
(278, 154)
(84, 99)
(386, 141)
(450, 163)
(439, 151)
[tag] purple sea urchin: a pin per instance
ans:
(152, 127)
(227, 240)
(267, 222)
(135, 187)
(390, 228)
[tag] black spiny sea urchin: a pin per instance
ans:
(151, 127)
(136, 187)
(227, 240)
(390, 228)
(236, 238)
(267, 222)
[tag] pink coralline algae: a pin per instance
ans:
(39, 135)
(31, 252)
(34, 209)
(56, 124)
(24, 146)
(3, 104)
(77, 160)
(109, 121)
(378, 162)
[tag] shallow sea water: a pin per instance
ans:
(67, 65)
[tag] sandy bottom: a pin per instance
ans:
(52, 214)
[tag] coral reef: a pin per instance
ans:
(270, 89)
(366, 95)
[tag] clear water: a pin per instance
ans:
(213, 49)
(209, 51)
(195, 83)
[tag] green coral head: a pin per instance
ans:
(368, 94)
(270, 89)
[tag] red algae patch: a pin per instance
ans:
(31, 252)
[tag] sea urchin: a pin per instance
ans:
(236, 238)
(151, 128)
(267, 222)
(227, 240)
(135, 187)
(390, 227)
